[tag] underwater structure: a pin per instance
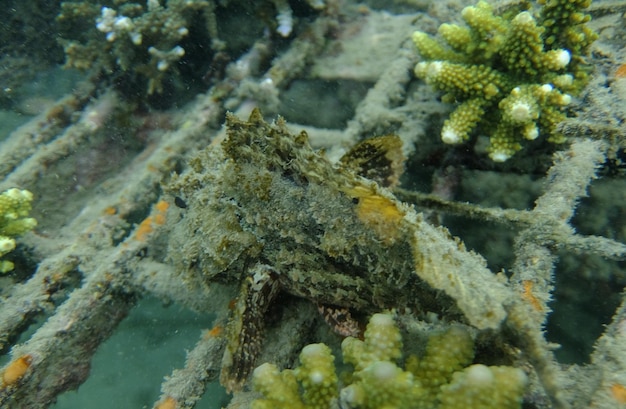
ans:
(289, 169)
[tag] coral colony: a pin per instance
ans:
(15, 205)
(145, 39)
(250, 222)
(511, 77)
(442, 378)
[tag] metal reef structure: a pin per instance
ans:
(86, 272)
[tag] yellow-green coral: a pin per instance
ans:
(512, 75)
(446, 353)
(377, 381)
(382, 342)
(316, 375)
(480, 386)
(15, 204)
(382, 385)
(441, 379)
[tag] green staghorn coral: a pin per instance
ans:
(15, 204)
(442, 379)
(512, 75)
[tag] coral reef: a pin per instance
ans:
(512, 75)
(15, 205)
(365, 238)
(154, 41)
(316, 375)
(144, 40)
(443, 378)
(258, 227)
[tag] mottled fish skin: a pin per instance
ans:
(268, 213)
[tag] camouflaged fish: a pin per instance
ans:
(268, 212)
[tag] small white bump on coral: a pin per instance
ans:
(521, 112)
(123, 23)
(313, 351)
(353, 395)
(546, 88)
(284, 18)
(565, 99)
(316, 377)
(479, 375)
(499, 156)
(382, 320)
(560, 58)
(384, 371)
(450, 136)
(434, 69)
(531, 132)
(524, 18)
(6, 245)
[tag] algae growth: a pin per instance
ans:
(158, 178)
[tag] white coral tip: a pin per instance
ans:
(382, 320)
(434, 68)
(6, 245)
(531, 133)
(546, 88)
(521, 112)
(316, 377)
(178, 51)
(524, 18)
(421, 69)
(499, 156)
(123, 23)
(384, 371)
(479, 375)
(450, 136)
(163, 65)
(562, 58)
